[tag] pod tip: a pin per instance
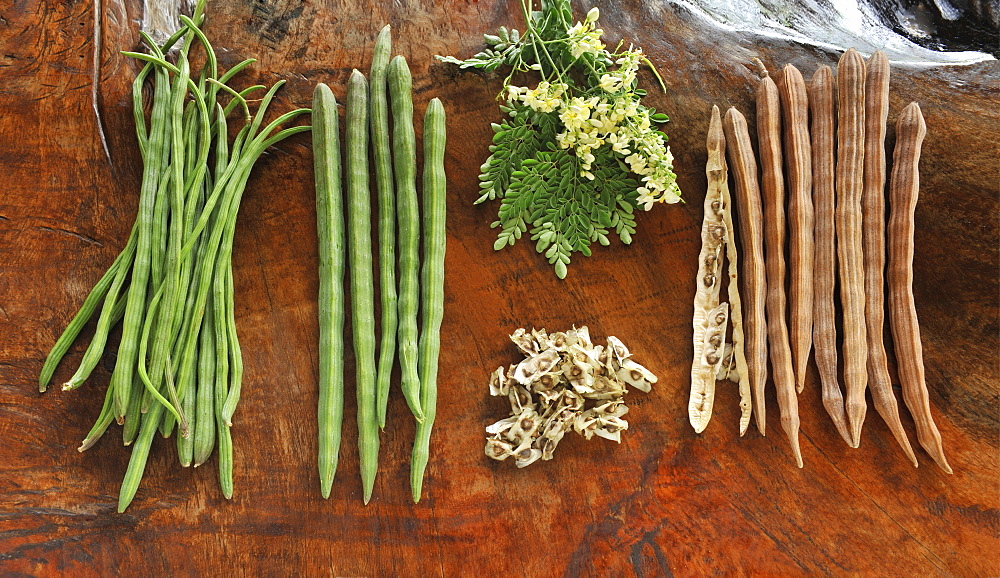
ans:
(761, 69)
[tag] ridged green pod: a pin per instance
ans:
(432, 284)
(386, 216)
(359, 246)
(330, 230)
(404, 157)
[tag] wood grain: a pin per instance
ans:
(664, 502)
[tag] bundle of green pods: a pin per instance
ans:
(420, 287)
(179, 361)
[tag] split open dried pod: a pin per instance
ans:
(709, 284)
(710, 319)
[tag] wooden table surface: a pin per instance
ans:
(666, 501)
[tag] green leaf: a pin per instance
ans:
(560, 270)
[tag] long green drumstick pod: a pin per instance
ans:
(432, 283)
(362, 291)
(96, 297)
(386, 216)
(136, 308)
(404, 157)
(330, 230)
(104, 322)
(203, 435)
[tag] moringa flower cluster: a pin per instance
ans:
(579, 151)
(584, 37)
(613, 116)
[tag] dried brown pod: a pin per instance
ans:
(821, 109)
(736, 369)
(873, 207)
(904, 188)
(850, 170)
(749, 214)
(798, 167)
(769, 146)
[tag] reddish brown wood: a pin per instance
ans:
(664, 501)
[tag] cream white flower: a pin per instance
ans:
(610, 83)
(584, 39)
(543, 98)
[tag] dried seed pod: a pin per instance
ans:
(548, 392)
(580, 337)
(748, 210)
(769, 145)
(618, 348)
(498, 449)
(706, 298)
(520, 398)
(873, 208)
(545, 382)
(499, 428)
(904, 188)
(498, 383)
(557, 341)
(525, 341)
(798, 165)
(526, 456)
(525, 426)
(636, 375)
(850, 170)
(727, 369)
(821, 109)
(535, 366)
(579, 374)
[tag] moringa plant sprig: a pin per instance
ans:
(578, 153)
